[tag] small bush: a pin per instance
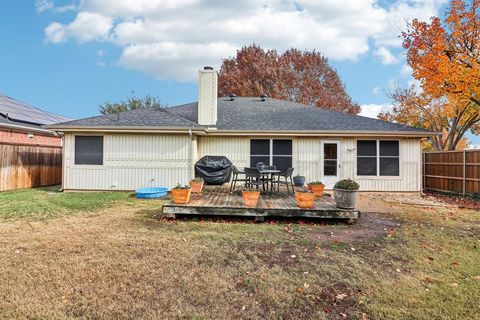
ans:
(314, 183)
(347, 184)
(304, 190)
(179, 186)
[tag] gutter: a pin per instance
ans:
(215, 131)
(29, 129)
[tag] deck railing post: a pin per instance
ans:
(464, 173)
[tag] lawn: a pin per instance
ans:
(110, 256)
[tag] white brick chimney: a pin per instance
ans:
(207, 96)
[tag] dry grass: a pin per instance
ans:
(121, 263)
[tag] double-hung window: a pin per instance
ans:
(89, 150)
(276, 152)
(378, 158)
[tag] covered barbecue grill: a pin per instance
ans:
(214, 169)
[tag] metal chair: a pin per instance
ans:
(254, 178)
(235, 178)
(287, 175)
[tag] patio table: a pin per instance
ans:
(271, 173)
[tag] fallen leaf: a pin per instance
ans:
(364, 316)
(398, 270)
(343, 315)
(454, 284)
(476, 277)
(293, 256)
(341, 296)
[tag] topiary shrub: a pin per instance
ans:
(347, 184)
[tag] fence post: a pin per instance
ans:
(424, 173)
(464, 173)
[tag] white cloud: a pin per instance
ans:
(376, 91)
(386, 57)
(87, 26)
(372, 110)
(100, 55)
(406, 71)
(48, 5)
(173, 38)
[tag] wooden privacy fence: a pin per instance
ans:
(28, 166)
(452, 171)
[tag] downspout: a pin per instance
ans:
(193, 153)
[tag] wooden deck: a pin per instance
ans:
(217, 200)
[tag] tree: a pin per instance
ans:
(131, 103)
(445, 58)
(295, 75)
(416, 108)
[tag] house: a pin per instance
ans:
(159, 147)
(23, 124)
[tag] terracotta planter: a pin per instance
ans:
(305, 199)
(317, 189)
(250, 198)
(197, 186)
(181, 196)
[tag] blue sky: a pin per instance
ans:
(68, 56)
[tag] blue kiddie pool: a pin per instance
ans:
(151, 193)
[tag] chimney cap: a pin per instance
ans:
(263, 97)
(232, 96)
(207, 68)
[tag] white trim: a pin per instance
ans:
(377, 156)
(88, 166)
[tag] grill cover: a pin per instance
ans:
(214, 169)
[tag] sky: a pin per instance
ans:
(70, 56)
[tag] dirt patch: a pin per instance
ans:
(369, 226)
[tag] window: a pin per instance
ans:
(277, 152)
(89, 150)
(330, 159)
(378, 158)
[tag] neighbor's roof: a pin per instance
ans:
(17, 111)
(249, 114)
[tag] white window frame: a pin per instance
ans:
(377, 156)
(93, 166)
(270, 156)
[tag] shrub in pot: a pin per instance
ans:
(197, 185)
(181, 194)
(316, 187)
(250, 196)
(304, 198)
(298, 181)
(345, 193)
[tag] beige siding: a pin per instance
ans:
(236, 149)
(131, 161)
(307, 158)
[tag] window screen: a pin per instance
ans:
(271, 152)
(378, 157)
(89, 150)
(282, 154)
(367, 157)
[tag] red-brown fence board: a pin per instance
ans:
(452, 171)
(27, 166)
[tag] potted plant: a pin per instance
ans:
(304, 198)
(298, 181)
(197, 185)
(250, 196)
(181, 194)
(316, 187)
(345, 193)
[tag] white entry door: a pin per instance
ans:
(330, 162)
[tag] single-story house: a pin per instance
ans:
(23, 124)
(159, 147)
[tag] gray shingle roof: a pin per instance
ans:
(248, 114)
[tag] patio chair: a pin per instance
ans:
(254, 178)
(287, 175)
(235, 178)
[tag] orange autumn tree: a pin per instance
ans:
(300, 76)
(445, 58)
